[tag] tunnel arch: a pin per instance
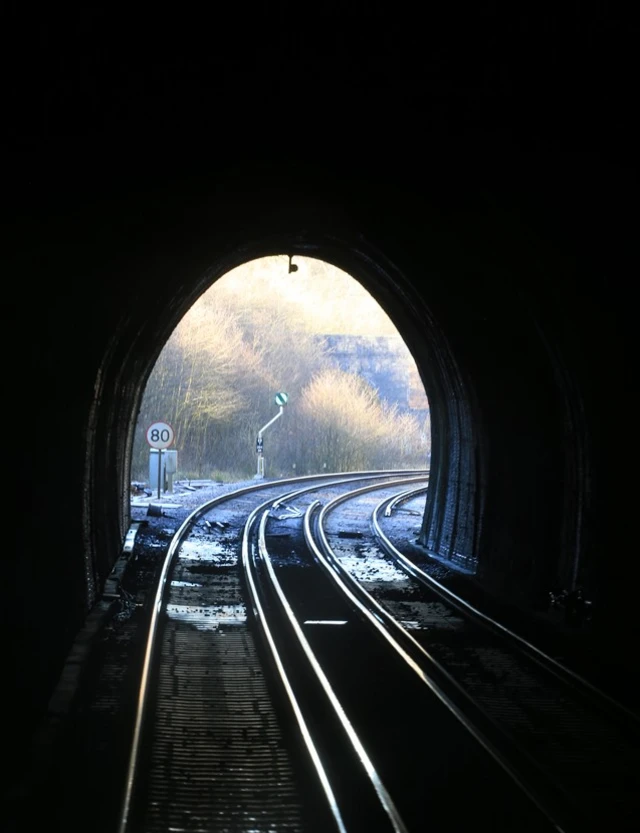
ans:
(450, 275)
(450, 519)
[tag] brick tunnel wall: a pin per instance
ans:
(505, 424)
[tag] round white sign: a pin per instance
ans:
(160, 435)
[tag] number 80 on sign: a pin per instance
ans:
(160, 435)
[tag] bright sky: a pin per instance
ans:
(330, 299)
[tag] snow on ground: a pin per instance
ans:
(187, 494)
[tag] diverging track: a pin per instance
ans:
(282, 690)
(575, 751)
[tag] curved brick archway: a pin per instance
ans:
(436, 364)
(493, 432)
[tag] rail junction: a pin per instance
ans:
(288, 662)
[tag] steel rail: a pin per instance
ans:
(402, 498)
(174, 546)
(261, 618)
(381, 791)
(553, 802)
(552, 666)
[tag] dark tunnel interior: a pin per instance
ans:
(494, 220)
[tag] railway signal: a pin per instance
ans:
(281, 400)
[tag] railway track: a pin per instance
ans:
(268, 703)
(213, 747)
(576, 750)
(297, 676)
(412, 757)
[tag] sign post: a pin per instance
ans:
(281, 400)
(259, 452)
(160, 436)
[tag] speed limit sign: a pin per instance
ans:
(160, 435)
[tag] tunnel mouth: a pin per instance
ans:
(280, 336)
(453, 513)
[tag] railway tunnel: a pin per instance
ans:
(505, 269)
